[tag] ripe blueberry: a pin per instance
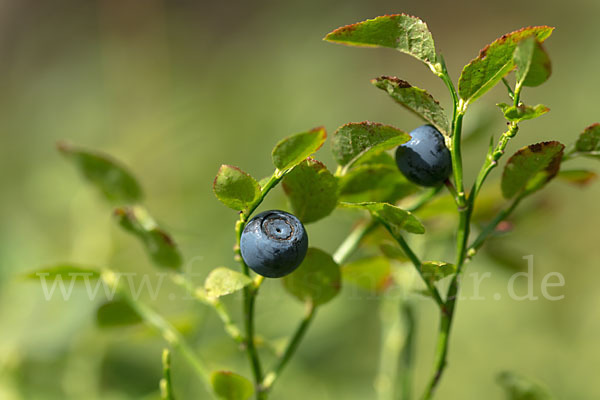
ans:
(274, 243)
(424, 159)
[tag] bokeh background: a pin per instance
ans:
(174, 89)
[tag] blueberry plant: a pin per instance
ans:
(390, 198)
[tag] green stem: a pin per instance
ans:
(459, 109)
(407, 356)
(441, 352)
(448, 310)
(465, 210)
(446, 317)
(392, 337)
(250, 342)
(168, 332)
(230, 327)
(491, 227)
(456, 154)
(424, 199)
(511, 94)
(350, 244)
(417, 263)
(452, 190)
(445, 76)
(251, 292)
(492, 158)
(166, 387)
(517, 93)
(572, 154)
(396, 355)
(291, 348)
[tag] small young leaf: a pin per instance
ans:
(494, 62)
(355, 140)
(375, 182)
(223, 281)
(65, 271)
(115, 182)
(235, 188)
(116, 313)
(579, 177)
(433, 271)
(530, 168)
(589, 140)
(416, 100)
(518, 387)
(158, 243)
(317, 279)
(292, 150)
(532, 61)
(394, 217)
(231, 386)
(400, 31)
(312, 190)
(370, 274)
(522, 112)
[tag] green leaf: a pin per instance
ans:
(579, 177)
(316, 280)
(292, 150)
(433, 271)
(522, 112)
(494, 62)
(530, 168)
(235, 188)
(159, 245)
(394, 217)
(382, 158)
(312, 190)
(375, 182)
(533, 63)
(402, 32)
(370, 274)
(231, 386)
(589, 140)
(223, 281)
(65, 271)
(522, 57)
(115, 182)
(355, 140)
(116, 313)
(518, 387)
(416, 100)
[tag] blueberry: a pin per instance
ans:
(425, 159)
(274, 243)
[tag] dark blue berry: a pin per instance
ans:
(425, 159)
(274, 243)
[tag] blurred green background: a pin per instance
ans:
(174, 89)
